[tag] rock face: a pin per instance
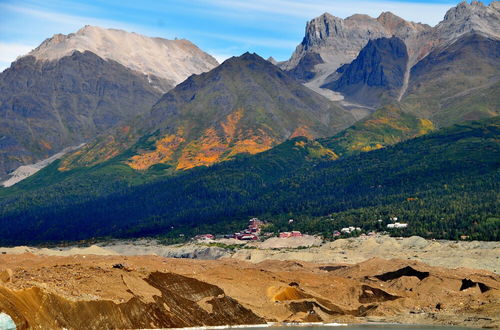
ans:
(166, 62)
(465, 18)
(376, 73)
(49, 105)
(333, 42)
(338, 41)
(245, 105)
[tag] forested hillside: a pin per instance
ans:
(444, 184)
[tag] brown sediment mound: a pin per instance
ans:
(6, 275)
(174, 301)
(286, 293)
(78, 292)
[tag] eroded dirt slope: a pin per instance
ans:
(86, 291)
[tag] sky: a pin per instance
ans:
(223, 28)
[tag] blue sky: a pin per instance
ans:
(223, 28)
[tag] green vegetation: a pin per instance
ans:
(444, 184)
(386, 126)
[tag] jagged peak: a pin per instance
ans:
(389, 16)
(464, 9)
(360, 17)
(326, 15)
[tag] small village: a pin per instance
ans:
(254, 231)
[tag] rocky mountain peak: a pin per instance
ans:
(395, 24)
(464, 9)
(172, 60)
(245, 105)
(333, 41)
(467, 17)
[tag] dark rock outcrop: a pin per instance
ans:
(377, 73)
(304, 71)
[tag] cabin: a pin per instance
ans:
(296, 233)
(397, 225)
(285, 234)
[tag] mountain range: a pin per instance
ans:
(344, 55)
(73, 87)
(366, 113)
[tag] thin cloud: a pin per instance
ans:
(68, 21)
(430, 13)
(10, 51)
(252, 41)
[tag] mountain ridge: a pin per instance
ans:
(73, 87)
(245, 105)
(169, 60)
(334, 41)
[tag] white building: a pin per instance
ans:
(397, 225)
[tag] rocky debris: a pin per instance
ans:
(173, 302)
(163, 292)
(68, 251)
(451, 254)
(24, 171)
(189, 251)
